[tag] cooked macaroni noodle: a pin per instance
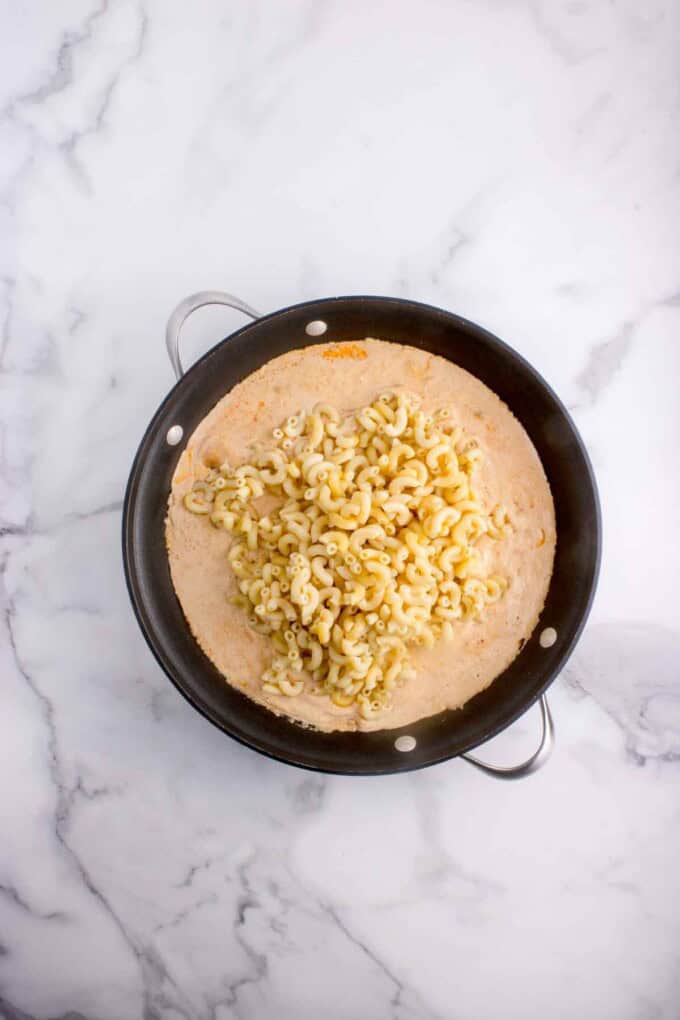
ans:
(371, 549)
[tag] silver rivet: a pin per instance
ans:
(406, 743)
(174, 435)
(316, 328)
(548, 637)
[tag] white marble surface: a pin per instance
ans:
(517, 162)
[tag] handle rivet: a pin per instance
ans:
(548, 637)
(405, 743)
(174, 435)
(316, 328)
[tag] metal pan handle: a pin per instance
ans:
(537, 759)
(184, 310)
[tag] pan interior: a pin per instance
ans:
(576, 556)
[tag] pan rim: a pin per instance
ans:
(402, 763)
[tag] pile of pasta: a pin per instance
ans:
(372, 546)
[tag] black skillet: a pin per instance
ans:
(531, 400)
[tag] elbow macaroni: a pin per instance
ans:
(371, 549)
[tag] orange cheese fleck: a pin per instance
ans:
(347, 351)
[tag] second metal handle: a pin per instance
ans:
(184, 310)
(538, 758)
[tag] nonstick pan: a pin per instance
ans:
(566, 465)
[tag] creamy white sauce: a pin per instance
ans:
(349, 375)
